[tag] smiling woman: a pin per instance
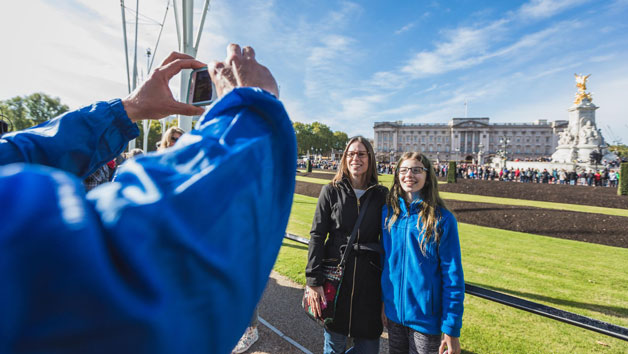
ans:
(358, 301)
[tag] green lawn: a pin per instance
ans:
(580, 277)
(502, 201)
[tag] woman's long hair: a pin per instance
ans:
(165, 138)
(343, 169)
(431, 200)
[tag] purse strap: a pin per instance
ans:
(354, 233)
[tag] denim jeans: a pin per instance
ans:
(335, 343)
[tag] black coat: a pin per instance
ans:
(358, 309)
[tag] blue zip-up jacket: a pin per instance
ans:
(425, 293)
(172, 257)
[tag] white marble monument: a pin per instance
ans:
(581, 137)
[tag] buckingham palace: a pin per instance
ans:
(467, 139)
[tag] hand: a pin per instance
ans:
(153, 99)
(316, 295)
(384, 318)
(452, 344)
(240, 69)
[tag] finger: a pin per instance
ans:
(248, 53)
(174, 56)
(186, 109)
(233, 50)
(176, 66)
(441, 349)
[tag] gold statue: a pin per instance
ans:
(581, 84)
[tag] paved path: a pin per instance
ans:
(281, 308)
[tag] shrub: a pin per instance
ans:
(623, 179)
(451, 172)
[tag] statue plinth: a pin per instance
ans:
(581, 138)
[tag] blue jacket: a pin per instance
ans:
(172, 257)
(425, 293)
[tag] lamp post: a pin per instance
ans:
(504, 141)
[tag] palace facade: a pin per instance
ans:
(467, 139)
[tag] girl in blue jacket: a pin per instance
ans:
(422, 279)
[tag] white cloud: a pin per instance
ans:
(405, 28)
(540, 9)
(464, 46)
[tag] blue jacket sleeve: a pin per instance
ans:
(452, 276)
(172, 257)
(78, 142)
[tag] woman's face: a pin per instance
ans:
(357, 159)
(412, 176)
(173, 138)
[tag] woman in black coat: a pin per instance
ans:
(358, 306)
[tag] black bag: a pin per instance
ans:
(333, 274)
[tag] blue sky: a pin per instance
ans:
(349, 64)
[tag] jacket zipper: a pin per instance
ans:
(402, 316)
(355, 262)
(355, 266)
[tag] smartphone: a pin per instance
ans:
(201, 89)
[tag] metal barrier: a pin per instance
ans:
(574, 319)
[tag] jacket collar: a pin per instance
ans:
(415, 206)
(346, 182)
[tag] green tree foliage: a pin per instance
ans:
(27, 111)
(620, 150)
(318, 137)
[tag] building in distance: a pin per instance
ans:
(468, 139)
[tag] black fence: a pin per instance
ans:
(574, 319)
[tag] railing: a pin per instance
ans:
(571, 318)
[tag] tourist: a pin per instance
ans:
(422, 278)
(158, 261)
(358, 305)
(170, 137)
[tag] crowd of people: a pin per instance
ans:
(598, 178)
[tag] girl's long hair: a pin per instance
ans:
(165, 138)
(343, 169)
(428, 215)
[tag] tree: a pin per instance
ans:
(318, 137)
(621, 150)
(27, 111)
(340, 140)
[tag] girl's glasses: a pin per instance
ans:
(414, 170)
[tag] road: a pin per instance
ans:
(284, 327)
